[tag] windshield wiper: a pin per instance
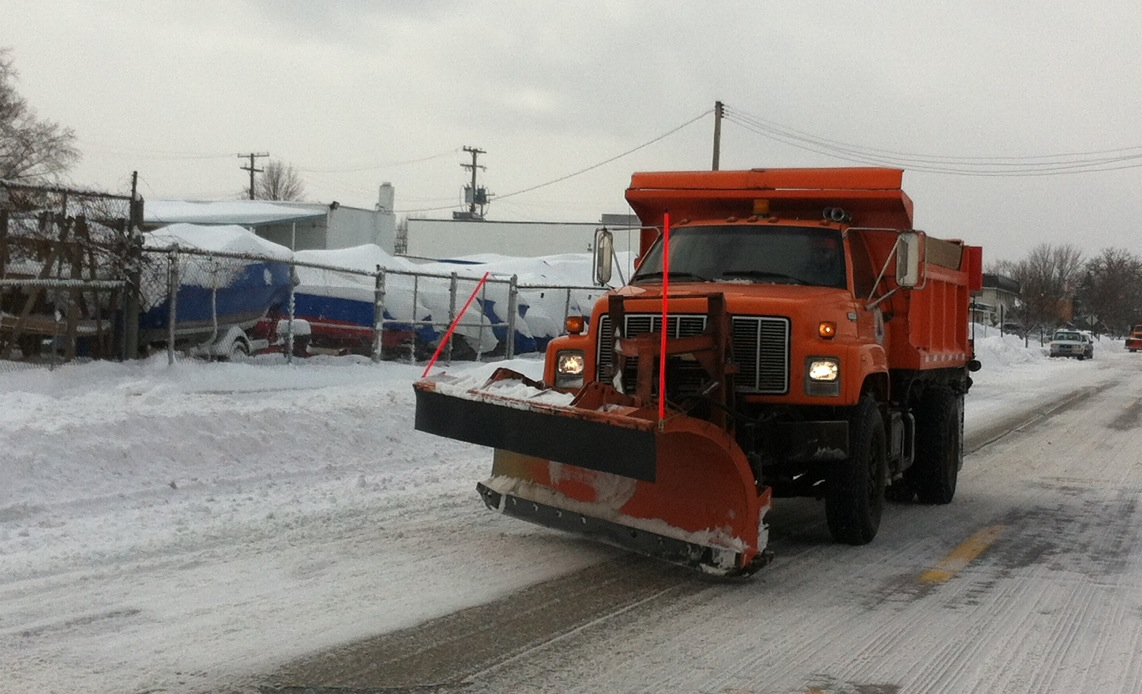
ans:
(674, 275)
(763, 275)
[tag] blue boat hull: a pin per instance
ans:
(259, 289)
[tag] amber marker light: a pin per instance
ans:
(827, 329)
(574, 325)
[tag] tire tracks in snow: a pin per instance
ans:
(492, 644)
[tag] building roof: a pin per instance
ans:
(1000, 282)
(242, 212)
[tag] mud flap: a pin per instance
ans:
(681, 490)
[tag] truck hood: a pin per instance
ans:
(748, 298)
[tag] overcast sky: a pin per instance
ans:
(357, 93)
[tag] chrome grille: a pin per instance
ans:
(760, 346)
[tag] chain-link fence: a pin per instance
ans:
(223, 304)
(77, 280)
(65, 257)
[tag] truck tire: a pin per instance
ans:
(939, 445)
(854, 500)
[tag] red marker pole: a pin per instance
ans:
(448, 334)
(665, 313)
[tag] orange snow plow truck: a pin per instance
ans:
(786, 333)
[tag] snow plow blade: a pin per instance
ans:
(600, 465)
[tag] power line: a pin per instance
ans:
(384, 165)
(608, 161)
(153, 153)
(581, 171)
(1035, 165)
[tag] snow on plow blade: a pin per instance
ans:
(600, 466)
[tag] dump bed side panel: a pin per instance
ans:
(935, 333)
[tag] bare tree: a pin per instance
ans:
(1112, 289)
(1048, 276)
(279, 182)
(31, 149)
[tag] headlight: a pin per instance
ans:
(569, 366)
(823, 376)
(569, 363)
(823, 369)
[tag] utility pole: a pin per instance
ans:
(252, 156)
(476, 196)
(718, 110)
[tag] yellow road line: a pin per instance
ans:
(961, 556)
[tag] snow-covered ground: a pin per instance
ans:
(171, 528)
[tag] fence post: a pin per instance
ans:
(293, 282)
(4, 238)
(480, 328)
(513, 305)
(134, 272)
(566, 312)
(172, 302)
(4, 344)
(378, 314)
(415, 319)
(451, 315)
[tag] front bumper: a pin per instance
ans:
(803, 442)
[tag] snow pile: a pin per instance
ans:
(999, 351)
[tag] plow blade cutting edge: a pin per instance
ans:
(682, 491)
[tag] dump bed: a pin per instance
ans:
(871, 195)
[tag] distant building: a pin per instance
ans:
(451, 238)
(997, 302)
(299, 226)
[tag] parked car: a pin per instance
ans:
(1072, 343)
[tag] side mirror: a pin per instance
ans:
(604, 251)
(909, 251)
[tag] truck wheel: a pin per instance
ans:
(854, 500)
(939, 445)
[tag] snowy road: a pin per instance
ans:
(202, 527)
(1031, 581)
(1052, 602)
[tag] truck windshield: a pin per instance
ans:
(770, 254)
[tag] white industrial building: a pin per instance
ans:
(296, 225)
(452, 238)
